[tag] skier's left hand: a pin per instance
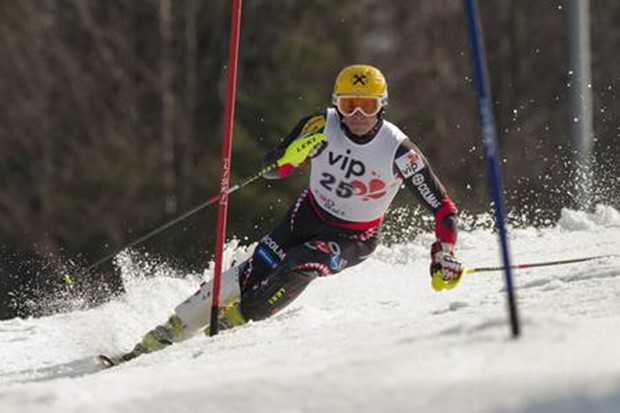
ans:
(446, 270)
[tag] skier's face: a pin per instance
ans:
(360, 124)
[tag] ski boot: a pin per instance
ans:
(158, 338)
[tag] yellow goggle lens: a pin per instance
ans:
(369, 106)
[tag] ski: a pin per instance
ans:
(110, 361)
(106, 361)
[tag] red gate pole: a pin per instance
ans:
(233, 54)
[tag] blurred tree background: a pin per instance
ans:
(111, 115)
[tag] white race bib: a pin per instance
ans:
(355, 182)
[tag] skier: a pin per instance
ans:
(358, 162)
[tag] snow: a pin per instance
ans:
(374, 339)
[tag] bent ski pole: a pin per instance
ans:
(440, 284)
(215, 198)
(537, 264)
(295, 154)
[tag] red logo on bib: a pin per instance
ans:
(374, 190)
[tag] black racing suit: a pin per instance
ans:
(310, 242)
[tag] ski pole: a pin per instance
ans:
(295, 154)
(536, 264)
(439, 284)
(215, 198)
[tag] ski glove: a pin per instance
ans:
(446, 271)
(289, 158)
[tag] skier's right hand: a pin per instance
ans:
(271, 161)
(297, 152)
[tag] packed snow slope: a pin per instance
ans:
(374, 339)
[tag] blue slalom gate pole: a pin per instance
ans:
(489, 134)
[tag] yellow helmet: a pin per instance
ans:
(361, 80)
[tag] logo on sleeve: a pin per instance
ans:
(409, 164)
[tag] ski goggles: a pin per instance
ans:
(368, 106)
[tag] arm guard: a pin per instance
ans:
(307, 127)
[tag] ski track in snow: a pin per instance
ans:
(374, 339)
